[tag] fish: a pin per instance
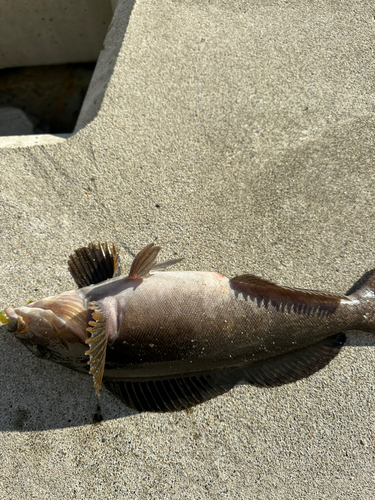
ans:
(163, 340)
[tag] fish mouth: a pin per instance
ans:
(19, 325)
(14, 322)
(29, 320)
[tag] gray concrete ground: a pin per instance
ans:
(250, 125)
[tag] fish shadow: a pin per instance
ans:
(38, 395)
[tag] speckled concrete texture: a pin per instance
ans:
(238, 135)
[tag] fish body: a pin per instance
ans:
(163, 340)
(177, 323)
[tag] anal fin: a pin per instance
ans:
(172, 394)
(295, 365)
(98, 345)
(283, 298)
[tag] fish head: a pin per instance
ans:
(53, 328)
(35, 328)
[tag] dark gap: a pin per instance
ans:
(42, 99)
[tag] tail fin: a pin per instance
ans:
(363, 290)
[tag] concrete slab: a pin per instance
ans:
(52, 31)
(238, 135)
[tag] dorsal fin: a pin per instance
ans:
(252, 279)
(94, 264)
(184, 392)
(267, 293)
(98, 345)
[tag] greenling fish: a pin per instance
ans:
(164, 341)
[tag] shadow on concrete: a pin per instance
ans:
(38, 395)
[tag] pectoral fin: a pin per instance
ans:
(98, 345)
(94, 264)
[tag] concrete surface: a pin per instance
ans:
(250, 125)
(38, 32)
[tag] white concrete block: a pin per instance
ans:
(14, 121)
(40, 32)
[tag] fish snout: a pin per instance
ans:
(33, 321)
(17, 324)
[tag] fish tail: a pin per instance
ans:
(363, 291)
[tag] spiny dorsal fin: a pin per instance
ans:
(173, 394)
(144, 261)
(94, 264)
(98, 345)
